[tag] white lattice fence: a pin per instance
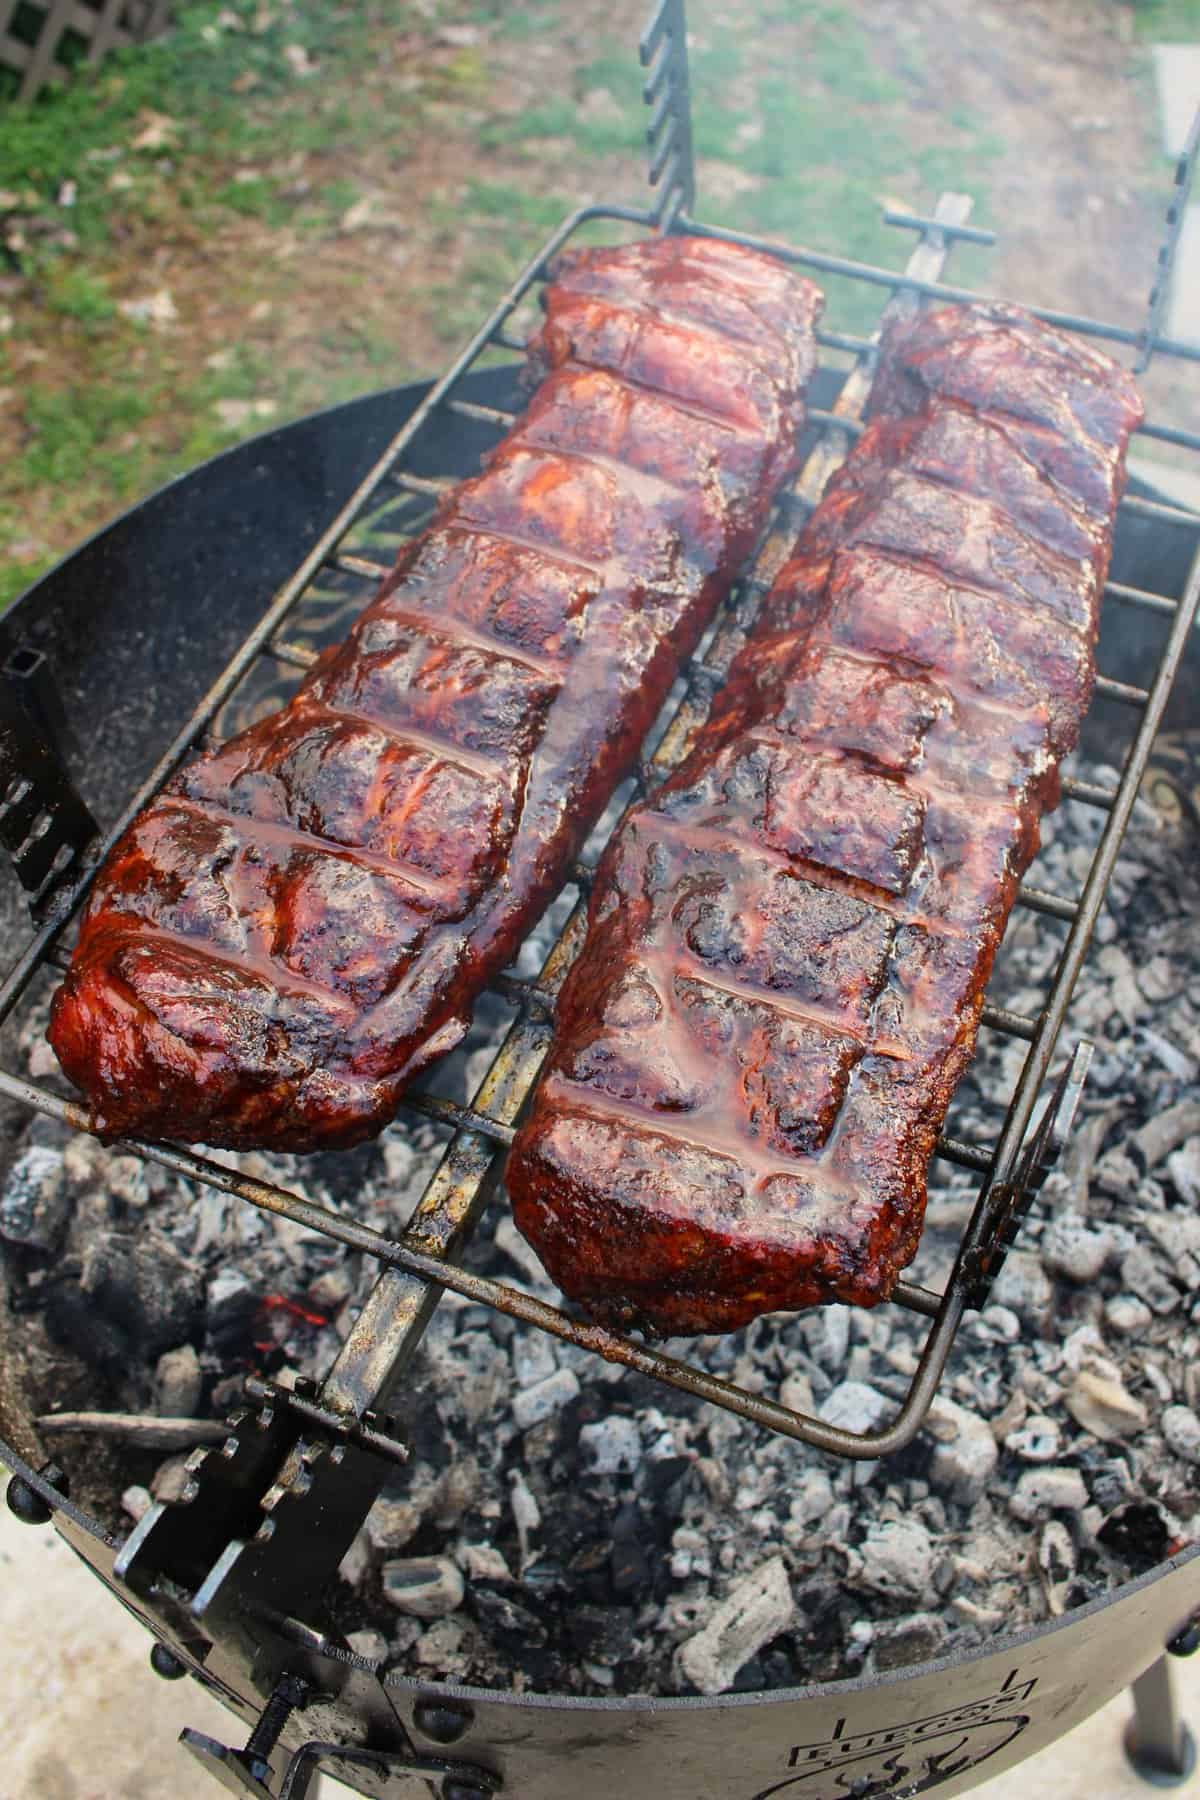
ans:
(39, 39)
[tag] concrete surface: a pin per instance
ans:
(83, 1718)
(1177, 73)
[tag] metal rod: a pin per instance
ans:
(966, 234)
(346, 564)
(486, 415)
(296, 656)
(1121, 690)
(967, 1156)
(935, 290)
(144, 1431)
(1158, 509)
(1157, 1742)
(1013, 1024)
(1091, 793)
(1135, 596)
(1043, 901)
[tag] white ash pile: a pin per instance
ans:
(566, 1525)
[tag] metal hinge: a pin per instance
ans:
(1185, 170)
(667, 92)
(1009, 1201)
(44, 824)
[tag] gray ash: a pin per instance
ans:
(567, 1525)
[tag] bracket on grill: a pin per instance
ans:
(456, 1780)
(1185, 170)
(44, 825)
(1010, 1201)
(667, 92)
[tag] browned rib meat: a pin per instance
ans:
(305, 917)
(789, 943)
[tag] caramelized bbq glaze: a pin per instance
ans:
(305, 916)
(789, 943)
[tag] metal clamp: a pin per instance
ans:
(248, 1772)
(374, 1431)
(663, 50)
(1010, 1201)
(1185, 170)
(44, 824)
(458, 1780)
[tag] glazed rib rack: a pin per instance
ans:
(342, 570)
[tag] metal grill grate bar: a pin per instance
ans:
(1136, 596)
(1013, 1024)
(1121, 690)
(1043, 901)
(1089, 792)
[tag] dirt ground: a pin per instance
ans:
(326, 259)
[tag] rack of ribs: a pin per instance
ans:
(788, 943)
(304, 917)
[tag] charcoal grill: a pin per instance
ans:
(226, 1578)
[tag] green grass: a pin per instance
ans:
(844, 123)
(1167, 21)
(195, 78)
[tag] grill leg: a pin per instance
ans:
(1157, 1742)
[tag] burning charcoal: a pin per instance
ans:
(439, 1649)
(1040, 1492)
(136, 1502)
(755, 1610)
(34, 1202)
(1177, 1235)
(526, 1513)
(1128, 1315)
(1143, 1275)
(613, 1446)
(896, 1558)
(630, 1567)
(1183, 1166)
(1073, 1249)
(372, 1646)
(689, 1554)
(393, 1523)
(966, 1451)
(483, 1562)
(172, 1478)
(829, 1336)
(898, 1643)
(1022, 1286)
(530, 1406)
(1137, 1534)
(796, 1393)
(355, 1566)
(177, 1383)
(1104, 1406)
(1038, 1440)
(144, 1287)
(602, 1634)
(1166, 1131)
(426, 1586)
(506, 1620)
(1181, 1428)
(1056, 1565)
(855, 1406)
(230, 1314)
(1116, 1173)
(331, 1290)
(533, 1358)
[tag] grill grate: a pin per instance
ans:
(424, 1261)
